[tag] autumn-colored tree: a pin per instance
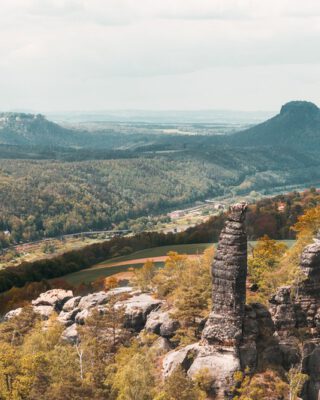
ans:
(100, 338)
(306, 228)
(134, 376)
(296, 381)
(192, 296)
(178, 386)
(267, 385)
(14, 330)
(167, 279)
(143, 276)
(263, 263)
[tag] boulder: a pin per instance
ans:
(183, 357)
(290, 352)
(68, 317)
(55, 298)
(161, 346)
(93, 299)
(70, 334)
(45, 311)
(71, 304)
(120, 290)
(161, 323)
(137, 308)
(12, 314)
(221, 363)
(81, 316)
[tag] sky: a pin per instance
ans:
(64, 55)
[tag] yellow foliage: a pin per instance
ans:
(143, 277)
(307, 227)
(267, 385)
(263, 265)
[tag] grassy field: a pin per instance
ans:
(109, 267)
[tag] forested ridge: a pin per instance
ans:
(46, 198)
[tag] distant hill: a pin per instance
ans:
(298, 124)
(33, 129)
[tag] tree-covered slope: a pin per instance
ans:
(297, 125)
(31, 129)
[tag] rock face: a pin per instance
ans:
(161, 323)
(137, 308)
(302, 311)
(219, 350)
(54, 298)
(309, 290)
(74, 311)
(221, 363)
(299, 308)
(229, 273)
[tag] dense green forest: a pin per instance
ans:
(45, 198)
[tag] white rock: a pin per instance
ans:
(67, 318)
(70, 334)
(13, 313)
(54, 297)
(137, 308)
(71, 304)
(221, 363)
(44, 311)
(93, 299)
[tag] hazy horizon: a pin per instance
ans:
(69, 55)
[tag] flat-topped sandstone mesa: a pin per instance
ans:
(229, 273)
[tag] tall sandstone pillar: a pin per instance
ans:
(229, 273)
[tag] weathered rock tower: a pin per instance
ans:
(229, 273)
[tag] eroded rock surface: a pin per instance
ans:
(298, 310)
(137, 308)
(229, 273)
(54, 298)
(161, 323)
(218, 352)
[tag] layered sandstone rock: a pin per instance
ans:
(229, 273)
(218, 351)
(298, 309)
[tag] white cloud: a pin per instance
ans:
(108, 49)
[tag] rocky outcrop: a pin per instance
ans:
(71, 304)
(92, 300)
(308, 296)
(54, 298)
(137, 308)
(74, 311)
(229, 273)
(70, 334)
(219, 352)
(311, 366)
(283, 310)
(12, 314)
(258, 328)
(161, 323)
(298, 309)
(221, 363)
